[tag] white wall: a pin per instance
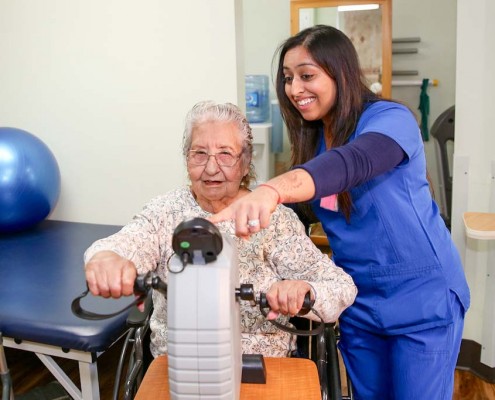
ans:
(106, 85)
(266, 25)
(475, 142)
(434, 22)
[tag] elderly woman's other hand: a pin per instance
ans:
(287, 297)
(110, 275)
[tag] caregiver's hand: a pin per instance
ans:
(251, 213)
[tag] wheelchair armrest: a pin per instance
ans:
(137, 318)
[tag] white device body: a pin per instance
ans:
(204, 349)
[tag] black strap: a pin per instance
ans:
(82, 313)
(299, 332)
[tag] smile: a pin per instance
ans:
(305, 102)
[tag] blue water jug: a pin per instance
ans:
(257, 98)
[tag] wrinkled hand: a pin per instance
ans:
(110, 275)
(287, 297)
(251, 213)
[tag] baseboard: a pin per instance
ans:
(469, 360)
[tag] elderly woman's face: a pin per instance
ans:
(213, 182)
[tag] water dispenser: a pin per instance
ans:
(257, 98)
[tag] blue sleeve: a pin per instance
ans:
(340, 169)
(395, 121)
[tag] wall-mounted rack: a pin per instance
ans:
(398, 49)
(404, 51)
(407, 40)
(405, 73)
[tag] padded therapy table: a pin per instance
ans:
(41, 272)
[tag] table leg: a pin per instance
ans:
(89, 380)
(60, 375)
(87, 367)
(7, 391)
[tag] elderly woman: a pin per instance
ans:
(280, 260)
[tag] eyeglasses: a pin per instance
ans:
(223, 158)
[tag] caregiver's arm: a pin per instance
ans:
(332, 172)
(345, 167)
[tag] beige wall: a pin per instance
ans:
(106, 85)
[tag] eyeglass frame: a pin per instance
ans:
(214, 155)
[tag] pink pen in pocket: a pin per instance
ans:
(330, 203)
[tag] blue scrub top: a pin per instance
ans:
(396, 246)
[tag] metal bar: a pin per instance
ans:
(407, 40)
(405, 72)
(7, 390)
(404, 51)
(49, 350)
(60, 376)
(89, 381)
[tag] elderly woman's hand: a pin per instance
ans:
(110, 275)
(287, 297)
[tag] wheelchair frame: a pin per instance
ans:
(325, 356)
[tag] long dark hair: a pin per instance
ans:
(333, 51)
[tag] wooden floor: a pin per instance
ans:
(28, 372)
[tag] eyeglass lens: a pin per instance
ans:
(223, 158)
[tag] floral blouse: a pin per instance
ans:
(281, 251)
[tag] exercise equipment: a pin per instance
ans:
(203, 318)
(29, 180)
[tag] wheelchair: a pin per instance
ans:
(322, 349)
(323, 338)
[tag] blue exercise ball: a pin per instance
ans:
(29, 180)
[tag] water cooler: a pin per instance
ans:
(263, 157)
(265, 125)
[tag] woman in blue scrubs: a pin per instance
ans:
(359, 166)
